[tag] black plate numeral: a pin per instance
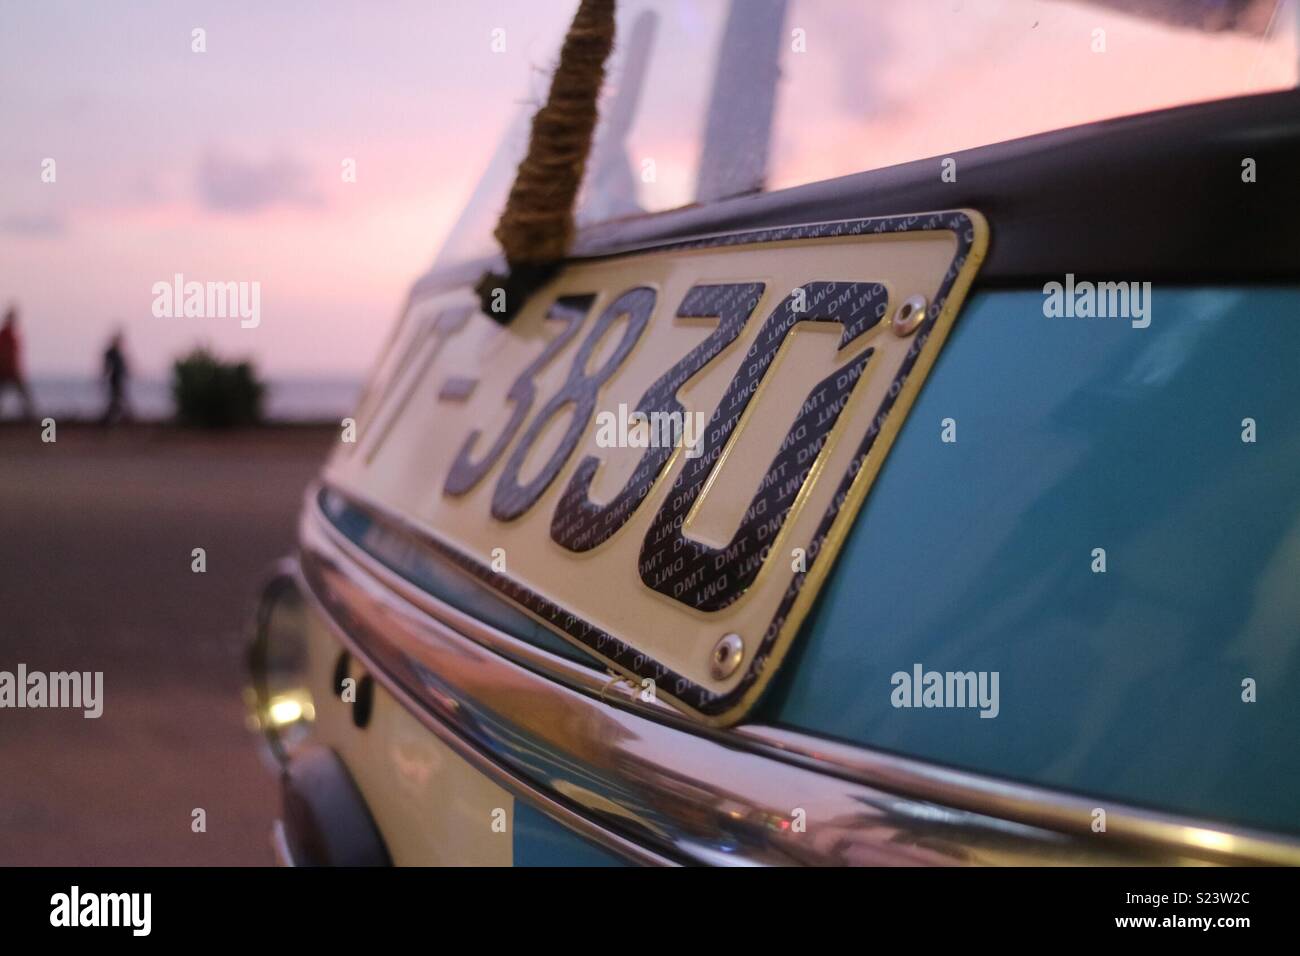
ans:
(510, 499)
(466, 472)
(579, 524)
(710, 578)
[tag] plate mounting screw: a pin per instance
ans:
(909, 316)
(726, 656)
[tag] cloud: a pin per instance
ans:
(228, 184)
(34, 225)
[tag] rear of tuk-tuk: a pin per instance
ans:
(903, 467)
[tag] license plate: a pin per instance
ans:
(661, 455)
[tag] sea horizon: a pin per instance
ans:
(289, 398)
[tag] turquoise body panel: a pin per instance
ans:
(540, 841)
(1074, 434)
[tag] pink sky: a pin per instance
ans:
(225, 165)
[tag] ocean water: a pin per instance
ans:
(287, 400)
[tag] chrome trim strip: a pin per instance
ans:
(603, 683)
(655, 787)
(280, 845)
(1025, 803)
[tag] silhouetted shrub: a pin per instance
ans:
(210, 393)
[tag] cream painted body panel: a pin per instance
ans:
(432, 808)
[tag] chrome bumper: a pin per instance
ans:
(649, 784)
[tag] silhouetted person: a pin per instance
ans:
(115, 376)
(11, 363)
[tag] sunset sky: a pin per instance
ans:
(226, 165)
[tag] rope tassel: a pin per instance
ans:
(536, 228)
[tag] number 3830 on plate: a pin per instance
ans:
(659, 457)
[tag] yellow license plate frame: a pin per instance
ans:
(493, 441)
